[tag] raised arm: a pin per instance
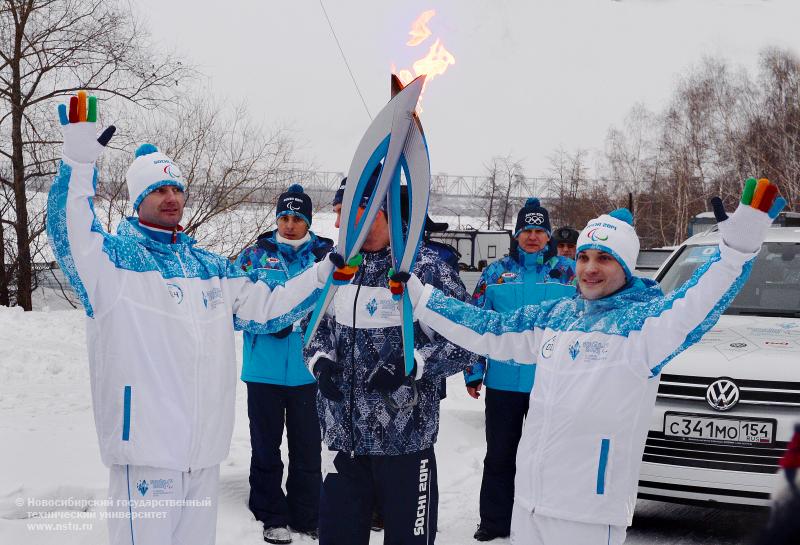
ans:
(77, 239)
(509, 336)
(679, 319)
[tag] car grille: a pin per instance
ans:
(751, 392)
(751, 458)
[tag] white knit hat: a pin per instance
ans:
(150, 170)
(614, 234)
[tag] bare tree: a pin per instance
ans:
(234, 168)
(49, 49)
(491, 191)
(772, 141)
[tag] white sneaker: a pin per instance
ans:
(279, 535)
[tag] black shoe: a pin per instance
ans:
(482, 534)
(278, 535)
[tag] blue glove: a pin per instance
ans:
(324, 371)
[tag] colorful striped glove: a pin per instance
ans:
(746, 228)
(345, 272)
(397, 282)
(81, 143)
(401, 281)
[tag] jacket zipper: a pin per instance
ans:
(548, 414)
(353, 362)
(196, 370)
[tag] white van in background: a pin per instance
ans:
(727, 406)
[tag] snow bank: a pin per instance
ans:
(51, 470)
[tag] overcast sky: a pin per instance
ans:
(530, 75)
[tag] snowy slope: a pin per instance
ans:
(48, 447)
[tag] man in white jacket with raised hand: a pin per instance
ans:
(160, 334)
(598, 358)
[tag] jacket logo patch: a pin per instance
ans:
(212, 298)
(548, 346)
(160, 487)
(175, 292)
(574, 350)
(594, 350)
(372, 307)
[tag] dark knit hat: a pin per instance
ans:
(532, 216)
(294, 202)
(337, 197)
(566, 234)
(369, 189)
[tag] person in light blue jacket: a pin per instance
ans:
(531, 273)
(279, 386)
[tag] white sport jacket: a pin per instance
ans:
(596, 380)
(160, 329)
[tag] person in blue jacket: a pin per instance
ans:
(279, 386)
(506, 285)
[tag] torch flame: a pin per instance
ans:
(434, 63)
(419, 28)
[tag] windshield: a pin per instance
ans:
(773, 288)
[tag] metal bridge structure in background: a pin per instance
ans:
(326, 182)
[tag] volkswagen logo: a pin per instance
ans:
(722, 395)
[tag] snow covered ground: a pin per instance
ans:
(49, 456)
(49, 451)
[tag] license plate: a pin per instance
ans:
(719, 429)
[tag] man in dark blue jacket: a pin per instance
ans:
(379, 425)
(279, 386)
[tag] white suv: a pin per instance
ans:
(727, 406)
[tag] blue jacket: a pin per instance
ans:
(508, 284)
(371, 423)
(278, 358)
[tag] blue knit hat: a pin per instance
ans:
(294, 202)
(532, 216)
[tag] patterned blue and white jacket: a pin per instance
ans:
(160, 329)
(368, 422)
(598, 364)
(279, 359)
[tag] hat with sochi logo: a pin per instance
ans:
(150, 170)
(294, 202)
(614, 234)
(532, 216)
